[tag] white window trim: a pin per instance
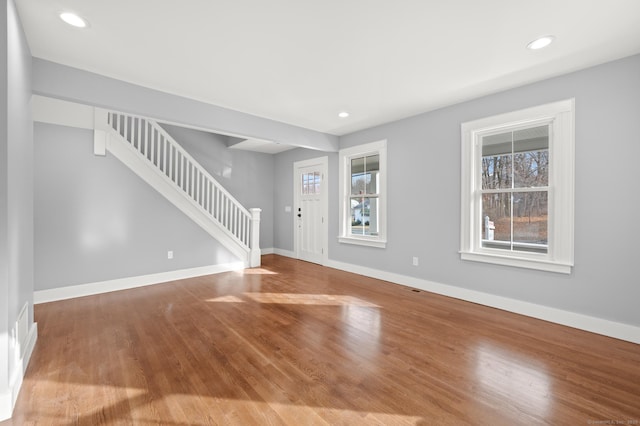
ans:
(559, 257)
(345, 156)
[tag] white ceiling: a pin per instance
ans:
(302, 62)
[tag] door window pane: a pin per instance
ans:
(311, 183)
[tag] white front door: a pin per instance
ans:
(310, 210)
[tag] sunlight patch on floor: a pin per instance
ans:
(238, 411)
(73, 395)
(226, 299)
(511, 378)
(257, 271)
(309, 299)
(117, 404)
(364, 317)
(362, 336)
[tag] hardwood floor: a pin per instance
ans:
(295, 343)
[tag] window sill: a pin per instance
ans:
(518, 262)
(363, 241)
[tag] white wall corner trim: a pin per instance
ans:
(62, 293)
(596, 325)
(23, 356)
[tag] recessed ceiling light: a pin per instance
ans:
(73, 20)
(540, 42)
(343, 114)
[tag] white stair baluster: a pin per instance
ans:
(126, 127)
(164, 155)
(170, 162)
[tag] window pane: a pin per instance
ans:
(497, 159)
(499, 144)
(357, 165)
(364, 215)
(305, 183)
(530, 216)
(531, 157)
(515, 221)
(531, 139)
(372, 167)
(364, 174)
(316, 176)
(358, 178)
(496, 221)
(496, 171)
(372, 182)
(531, 169)
(520, 158)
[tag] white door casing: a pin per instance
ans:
(310, 210)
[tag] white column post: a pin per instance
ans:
(254, 260)
(100, 126)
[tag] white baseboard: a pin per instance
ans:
(605, 327)
(10, 396)
(6, 407)
(264, 251)
(285, 253)
(62, 293)
(580, 321)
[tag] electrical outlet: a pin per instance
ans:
(415, 261)
(170, 254)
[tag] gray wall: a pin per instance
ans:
(16, 186)
(248, 176)
(63, 82)
(424, 196)
(95, 220)
(4, 214)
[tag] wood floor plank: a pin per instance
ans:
(292, 343)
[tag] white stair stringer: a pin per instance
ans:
(150, 152)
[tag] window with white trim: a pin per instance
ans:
(363, 212)
(518, 188)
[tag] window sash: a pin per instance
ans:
(559, 117)
(372, 187)
(521, 233)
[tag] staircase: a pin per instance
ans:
(149, 151)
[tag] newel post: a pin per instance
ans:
(254, 260)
